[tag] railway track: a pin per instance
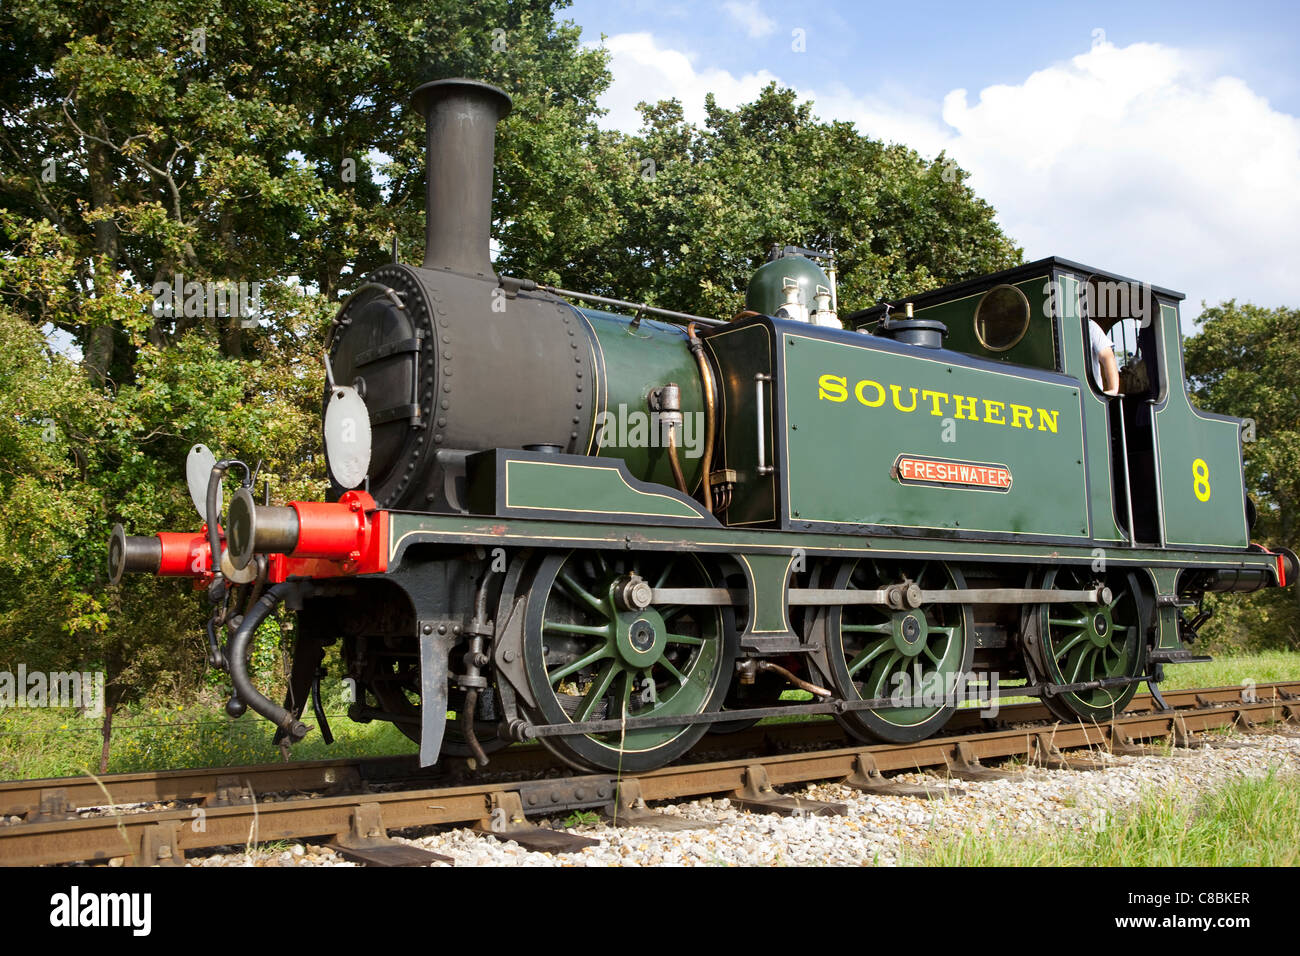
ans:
(356, 802)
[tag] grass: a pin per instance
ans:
(1262, 668)
(51, 742)
(57, 742)
(1230, 671)
(1248, 822)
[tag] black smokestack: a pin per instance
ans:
(462, 116)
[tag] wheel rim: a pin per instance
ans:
(590, 659)
(877, 652)
(1081, 642)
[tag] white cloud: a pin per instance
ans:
(746, 13)
(1140, 160)
(643, 71)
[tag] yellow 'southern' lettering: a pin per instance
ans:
(833, 387)
(934, 397)
(911, 408)
(873, 394)
(880, 393)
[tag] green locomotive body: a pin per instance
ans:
(614, 533)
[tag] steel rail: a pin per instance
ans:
(26, 798)
(159, 836)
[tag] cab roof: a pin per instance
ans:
(1052, 264)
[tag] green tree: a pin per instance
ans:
(1242, 362)
(681, 215)
(261, 139)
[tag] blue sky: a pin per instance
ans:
(1159, 140)
(933, 47)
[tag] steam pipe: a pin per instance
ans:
(461, 117)
(706, 380)
(673, 460)
(212, 513)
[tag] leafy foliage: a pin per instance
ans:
(1242, 363)
(681, 215)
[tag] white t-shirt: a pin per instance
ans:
(1100, 342)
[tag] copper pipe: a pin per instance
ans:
(797, 681)
(672, 459)
(706, 379)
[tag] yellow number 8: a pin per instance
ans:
(1201, 479)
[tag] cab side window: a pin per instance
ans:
(1131, 357)
(1121, 320)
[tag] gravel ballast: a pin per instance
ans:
(877, 830)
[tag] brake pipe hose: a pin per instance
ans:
(246, 695)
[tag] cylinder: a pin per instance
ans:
(461, 118)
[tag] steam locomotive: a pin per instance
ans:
(614, 533)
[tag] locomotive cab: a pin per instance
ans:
(1140, 447)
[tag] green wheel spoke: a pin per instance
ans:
(588, 659)
(864, 656)
(1068, 621)
(573, 666)
(684, 639)
(599, 687)
(1077, 670)
(668, 666)
(1069, 645)
(931, 654)
(1074, 652)
(625, 696)
(948, 632)
(581, 594)
(663, 575)
(879, 681)
(1098, 660)
(585, 630)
